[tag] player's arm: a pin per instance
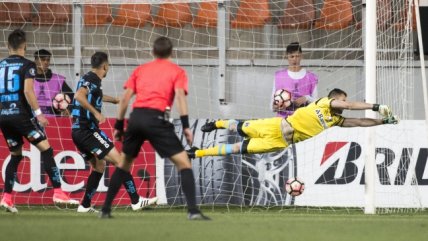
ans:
(32, 101)
(181, 100)
(110, 99)
(350, 105)
(384, 110)
(361, 122)
(123, 107)
(367, 122)
(81, 96)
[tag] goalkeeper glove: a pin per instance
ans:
(383, 110)
(391, 120)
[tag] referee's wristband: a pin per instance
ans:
(375, 107)
(37, 112)
(119, 125)
(185, 121)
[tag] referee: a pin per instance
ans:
(155, 85)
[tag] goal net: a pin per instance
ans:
(231, 51)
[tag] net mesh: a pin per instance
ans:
(256, 33)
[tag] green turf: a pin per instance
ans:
(238, 225)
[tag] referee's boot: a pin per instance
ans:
(197, 216)
(105, 215)
(192, 152)
(208, 127)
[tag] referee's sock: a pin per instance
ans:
(50, 167)
(220, 150)
(91, 188)
(188, 186)
(129, 184)
(115, 183)
(11, 169)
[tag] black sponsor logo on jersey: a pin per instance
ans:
(321, 118)
(101, 140)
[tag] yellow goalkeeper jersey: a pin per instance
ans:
(313, 119)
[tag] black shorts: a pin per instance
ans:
(91, 143)
(14, 128)
(149, 124)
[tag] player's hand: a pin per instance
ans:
(277, 107)
(100, 118)
(42, 120)
(66, 113)
(118, 129)
(391, 120)
(300, 101)
(385, 111)
(189, 136)
(117, 134)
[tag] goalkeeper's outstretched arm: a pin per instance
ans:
(384, 110)
(367, 122)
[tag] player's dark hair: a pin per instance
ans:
(98, 59)
(293, 47)
(336, 92)
(162, 47)
(16, 39)
(41, 53)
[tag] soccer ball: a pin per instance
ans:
(282, 98)
(294, 186)
(61, 102)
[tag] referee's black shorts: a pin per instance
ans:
(16, 127)
(149, 124)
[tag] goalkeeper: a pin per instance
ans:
(273, 134)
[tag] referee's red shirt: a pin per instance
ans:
(155, 82)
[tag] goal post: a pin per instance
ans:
(370, 90)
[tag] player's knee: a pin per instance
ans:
(181, 160)
(233, 125)
(236, 148)
(16, 151)
(99, 166)
(43, 146)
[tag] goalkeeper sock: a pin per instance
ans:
(11, 170)
(220, 150)
(115, 183)
(129, 184)
(188, 187)
(50, 167)
(91, 188)
(226, 124)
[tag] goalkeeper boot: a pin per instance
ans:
(191, 153)
(208, 127)
(82, 209)
(60, 197)
(197, 216)
(6, 202)
(144, 202)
